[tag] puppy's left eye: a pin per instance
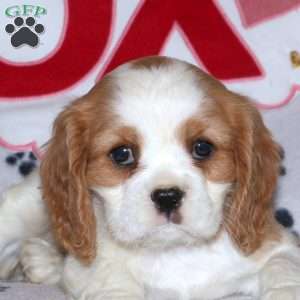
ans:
(202, 150)
(122, 156)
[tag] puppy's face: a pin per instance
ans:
(161, 151)
(169, 152)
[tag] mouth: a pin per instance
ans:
(171, 235)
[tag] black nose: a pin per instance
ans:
(167, 200)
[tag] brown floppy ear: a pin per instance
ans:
(249, 213)
(64, 184)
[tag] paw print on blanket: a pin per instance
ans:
(282, 169)
(284, 217)
(3, 288)
(26, 162)
(24, 32)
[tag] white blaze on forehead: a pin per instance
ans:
(157, 100)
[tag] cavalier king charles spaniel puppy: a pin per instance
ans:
(156, 185)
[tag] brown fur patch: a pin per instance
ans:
(151, 62)
(249, 209)
(101, 169)
(77, 159)
(245, 155)
(219, 167)
(64, 170)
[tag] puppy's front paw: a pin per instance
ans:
(284, 293)
(41, 261)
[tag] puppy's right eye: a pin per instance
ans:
(122, 156)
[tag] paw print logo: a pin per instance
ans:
(24, 32)
(25, 161)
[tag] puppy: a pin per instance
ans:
(156, 185)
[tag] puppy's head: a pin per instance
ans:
(173, 156)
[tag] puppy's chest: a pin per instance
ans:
(186, 273)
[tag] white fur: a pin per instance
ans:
(22, 215)
(140, 254)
